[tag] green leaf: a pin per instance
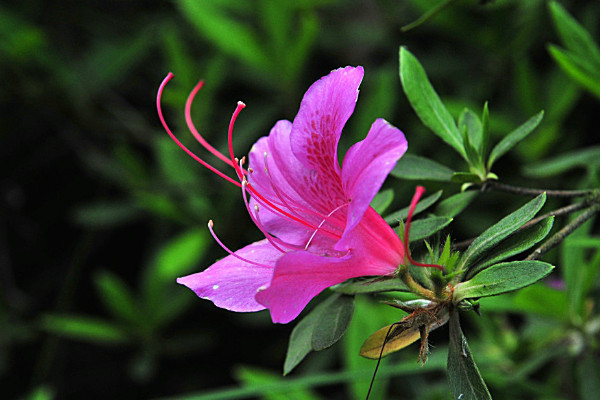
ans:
(464, 378)
(372, 285)
(420, 168)
(176, 258)
(510, 140)
(258, 378)
(422, 205)
(301, 339)
(423, 228)
(332, 323)
(585, 158)
(180, 255)
(501, 278)
(588, 377)
(542, 300)
(465, 177)
(382, 200)
(501, 230)
(426, 102)
(573, 35)
(454, 205)
(104, 214)
(116, 296)
(212, 21)
(485, 130)
(84, 328)
(469, 122)
(577, 68)
(515, 244)
(575, 269)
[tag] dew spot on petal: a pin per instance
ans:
(215, 287)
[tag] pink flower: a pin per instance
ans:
(319, 228)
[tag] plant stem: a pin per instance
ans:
(414, 286)
(495, 185)
(559, 236)
(571, 208)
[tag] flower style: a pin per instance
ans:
(319, 228)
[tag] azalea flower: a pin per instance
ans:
(319, 228)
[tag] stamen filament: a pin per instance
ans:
(238, 109)
(321, 224)
(194, 131)
(168, 130)
(413, 204)
(212, 232)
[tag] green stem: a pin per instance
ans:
(495, 185)
(414, 286)
(559, 236)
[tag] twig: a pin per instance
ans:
(559, 236)
(556, 213)
(491, 184)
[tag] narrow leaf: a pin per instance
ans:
(116, 296)
(501, 230)
(470, 123)
(573, 35)
(426, 102)
(577, 68)
(464, 378)
(371, 348)
(422, 205)
(423, 228)
(454, 205)
(326, 333)
(215, 25)
(417, 168)
(382, 200)
(515, 244)
(84, 328)
(502, 278)
(510, 140)
(300, 343)
(332, 323)
(583, 158)
(373, 285)
(465, 177)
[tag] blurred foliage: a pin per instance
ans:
(101, 212)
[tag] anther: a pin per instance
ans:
(211, 223)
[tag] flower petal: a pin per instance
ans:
(231, 283)
(301, 275)
(367, 164)
(274, 186)
(316, 130)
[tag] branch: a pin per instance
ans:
(559, 236)
(495, 185)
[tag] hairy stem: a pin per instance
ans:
(414, 286)
(495, 185)
(559, 236)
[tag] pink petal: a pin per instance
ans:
(301, 275)
(367, 164)
(324, 110)
(274, 186)
(231, 283)
(375, 242)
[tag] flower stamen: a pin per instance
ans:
(174, 138)
(194, 131)
(212, 232)
(413, 204)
